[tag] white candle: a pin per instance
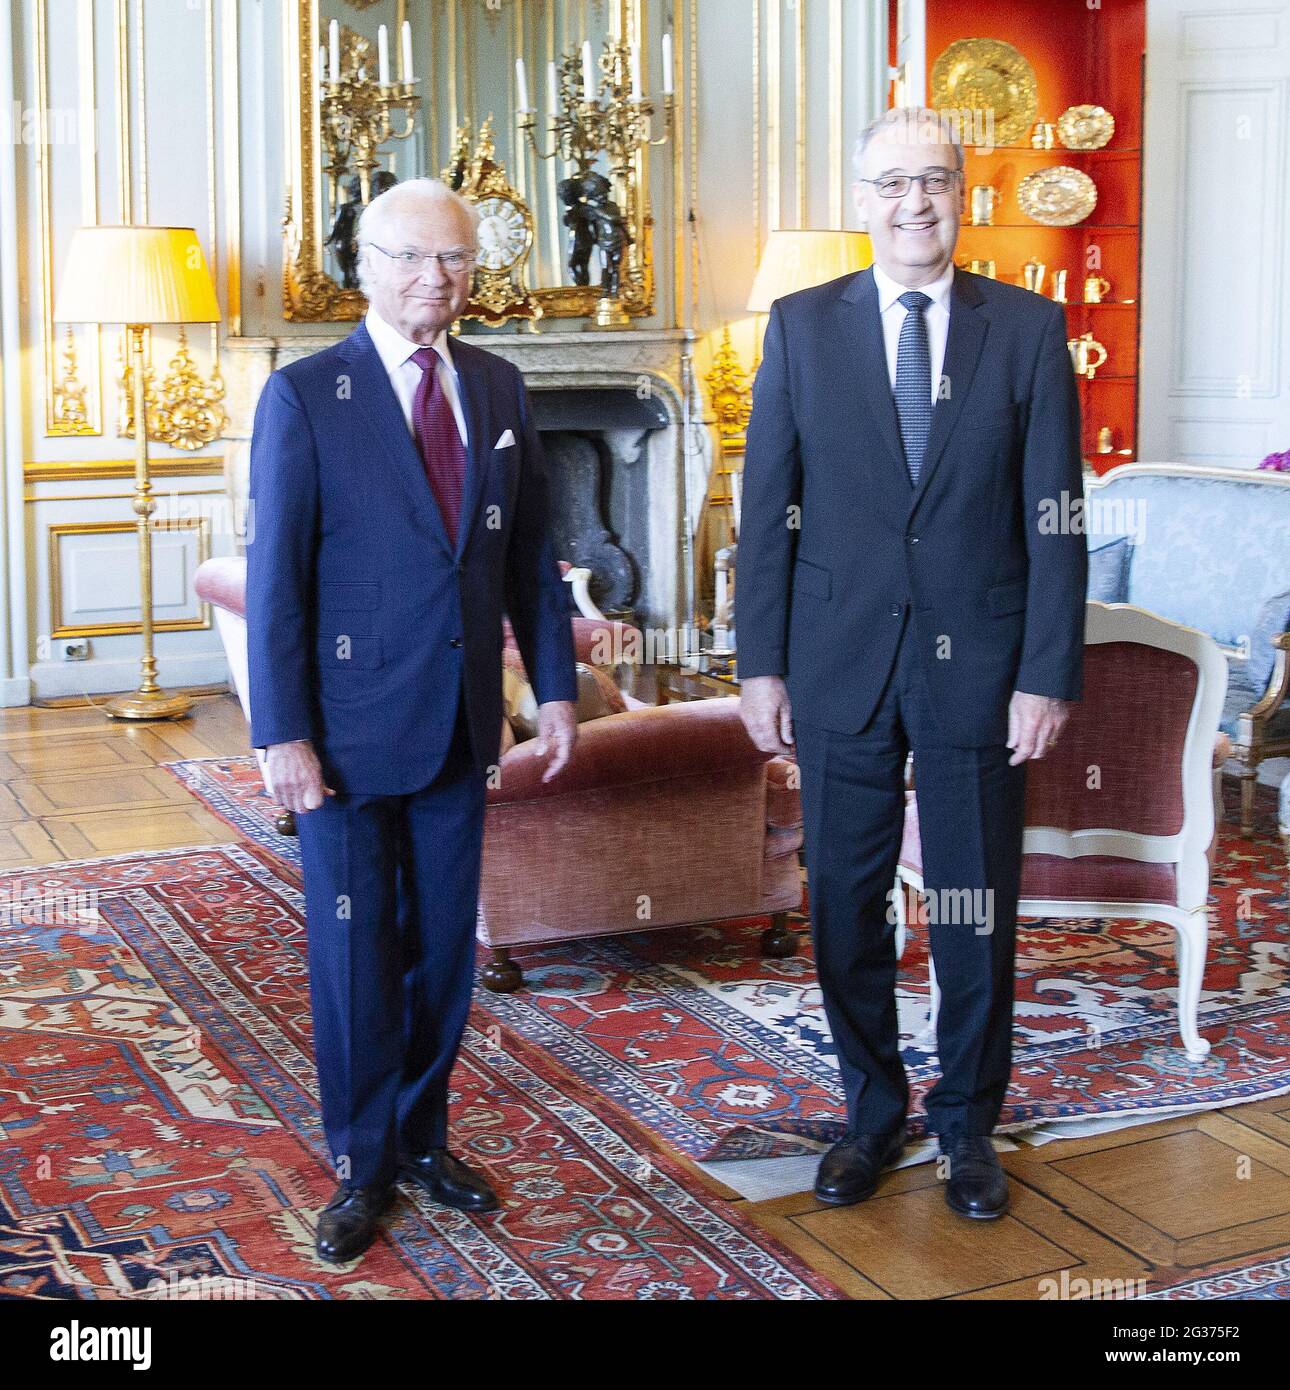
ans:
(634, 61)
(522, 84)
(322, 63)
(552, 90)
(383, 56)
(588, 73)
(333, 44)
(667, 65)
(407, 51)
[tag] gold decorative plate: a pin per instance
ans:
(1057, 197)
(986, 75)
(1085, 127)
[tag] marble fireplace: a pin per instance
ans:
(629, 451)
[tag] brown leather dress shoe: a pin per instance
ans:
(348, 1223)
(850, 1170)
(448, 1181)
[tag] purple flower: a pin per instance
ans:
(1277, 463)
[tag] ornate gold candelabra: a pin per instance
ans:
(617, 123)
(356, 116)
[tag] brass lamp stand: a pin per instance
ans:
(150, 701)
(136, 276)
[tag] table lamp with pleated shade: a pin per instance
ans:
(797, 259)
(138, 276)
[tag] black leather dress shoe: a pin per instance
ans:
(850, 1170)
(348, 1223)
(977, 1186)
(448, 1181)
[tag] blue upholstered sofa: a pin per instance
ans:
(1209, 547)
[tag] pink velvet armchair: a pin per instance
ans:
(666, 815)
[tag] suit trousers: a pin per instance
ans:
(971, 807)
(391, 887)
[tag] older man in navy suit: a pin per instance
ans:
(897, 590)
(399, 509)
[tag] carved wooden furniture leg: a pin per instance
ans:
(501, 974)
(1249, 780)
(777, 941)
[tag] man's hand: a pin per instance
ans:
(296, 776)
(1034, 724)
(767, 714)
(557, 732)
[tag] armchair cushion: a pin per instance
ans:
(638, 746)
(1108, 571)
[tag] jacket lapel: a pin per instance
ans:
(862, 330)
(962, 353)
(372, 390)
(473, 389)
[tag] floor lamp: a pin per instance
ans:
(139, 276)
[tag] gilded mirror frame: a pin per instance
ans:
(311, 295)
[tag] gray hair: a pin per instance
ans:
(403, 198)
(942, 129)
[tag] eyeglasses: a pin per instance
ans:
(412, 261)
(897, 185)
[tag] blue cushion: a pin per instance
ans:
(1108, 572)
(1274, 617)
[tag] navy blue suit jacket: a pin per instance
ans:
(837, 548)
(364, 625)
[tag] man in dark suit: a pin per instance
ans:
(398, 509)
(897, 591)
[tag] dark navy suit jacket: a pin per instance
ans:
(837, 548)
(364, 625)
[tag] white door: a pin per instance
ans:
(1216, 233)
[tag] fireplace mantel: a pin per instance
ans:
(678, 456)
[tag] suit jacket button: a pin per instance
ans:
(454, 641)
(895, 610)
(913, 540)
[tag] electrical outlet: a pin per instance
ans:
(76, 649)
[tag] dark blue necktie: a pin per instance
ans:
(914, 381)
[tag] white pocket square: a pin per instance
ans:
(505, 441)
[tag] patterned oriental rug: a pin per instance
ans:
(159, 1132)
(724, 1054)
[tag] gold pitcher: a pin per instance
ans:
(1087, 354)
(986, 268)
(1106, 440)
(1059, 286)
(1043, 135)
(1032, 274)
(1096, 289)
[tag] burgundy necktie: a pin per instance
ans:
(439, 440)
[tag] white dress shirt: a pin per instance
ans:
(395, 352)
(936, 315)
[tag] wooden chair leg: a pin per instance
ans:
(500, 973)
(1193, 940)
(777, 941)
(1249, 780)
(285, 824)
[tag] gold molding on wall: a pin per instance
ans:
(83, 470)
(141, 95)
(54, 428)
(232, 189)
(125, 212)
(799, 122)
(773, 134)
(58, 530)
(837, 179)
